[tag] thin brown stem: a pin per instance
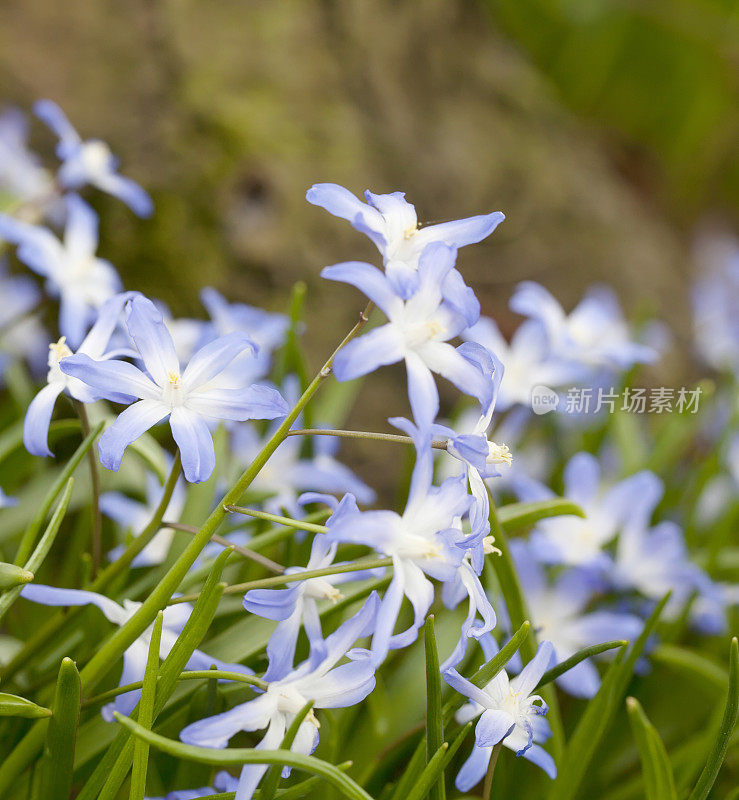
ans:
(242, 551)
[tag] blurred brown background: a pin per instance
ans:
(604, 130)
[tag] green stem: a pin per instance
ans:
(190, 675)
(123, 637)
(292, 577)
(487, 787)
(97, 517)
(438, 444)
(290, 523)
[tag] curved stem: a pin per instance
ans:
(437, 444)
(289, 523)
(190, 675)
(97, 517)
(293, 577)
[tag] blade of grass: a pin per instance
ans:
(437, 765)
(11, 705)
(587, 652)
(515, 516)
(146, 712)
(659, 783)
(57, 764)
(718, 751)
(434, 721)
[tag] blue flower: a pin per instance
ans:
(134, 658)
(527, 360)
(288, 473)
(190, 398)
(134, 516)
(391, 223)
(581, 542)
(94, 345)
(594, 334)
(5, 501)
(297, 605)
(21, 174)
(558, 612)
(73, 273)
(508, 713)
(90, 162)
(266, 329)
(328, 685)
(417, 331)
(422, 541)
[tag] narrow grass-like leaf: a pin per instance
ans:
(515, 516)
(29, 537)
(11, 705)
(12, 575)
(272, 778)
(587, 652)
(146, 712)
(298, 524)
(489, 670)
(112, 768)
(57, 764)
(659, 783)
(434, 721)
(718, 752)
(694, 664)
(42, 548)
(240, 756)
(436, 766)
(12, 438)
(598, 714)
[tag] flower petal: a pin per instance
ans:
(461, 232)
(369, 280)
(361, 356)
(194, 439)
(252, 402)
(211, 359)
(53, 596)
(531, 674)
(113, 380)
(493, 726)
(134, 421)
(38, 417)
(153, 340)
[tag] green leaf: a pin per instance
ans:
(694, 664)
(659, 783)
(436, 766)
(489, 670)
(29, 537)
(434, 721)
(13, 706)
(240, 756)
(272, 778)
(594, 650)
(42, 548)
(146, 712)
(57, 764)
(718, 752)
(522, 515)
(112, 768)
(12, 575)
(598, 714)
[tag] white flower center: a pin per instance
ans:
(290, 701)
(173, 393)
(57, 351)
(419, 333)
(499, 454)
(96, 156)
(320, 589)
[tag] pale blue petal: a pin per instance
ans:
(422, 392)
(132, 423)
(493, 726)
(253, 402)
(473, 770)
(38, 417)
(153, 340)
(461, 232)
(582, 479)
(539, 756)
(369, 280)
(113, 380)
(195, 442)
(126, 190)
(346, 685)
(361, 356)
(52, 115)
(211, 359)
(531, 674)
(53, 596)
(336, 200)
(275, 604)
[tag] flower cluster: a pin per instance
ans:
(226, 385)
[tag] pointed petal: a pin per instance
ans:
(361, 356)
(134, 421)
(194, 439)
(369, 280)
(113, 380)
(461, 232)
(531, 674)
(474, 769)
(52, 115)
(252, 402)
(53, 596)
(153, 340)
(493, 726)
(38, 417)
(211, 359)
